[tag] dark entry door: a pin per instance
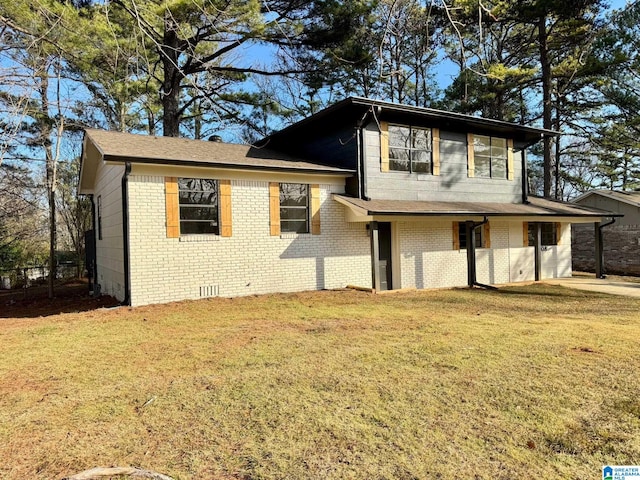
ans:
(384, 239)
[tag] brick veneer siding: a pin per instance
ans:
(621, 249)
(251, 261)
(428, 260)
(109, 249)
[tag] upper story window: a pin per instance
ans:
(198, 200)
(411, 149)
(490, 156)
(294, 207)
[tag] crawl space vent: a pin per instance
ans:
(209, 291)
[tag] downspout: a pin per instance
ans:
(94, 260)
(471, 254)
(537, 256)
(600, 247)
(125, 234)
(361, 170)
(359, 161)
(525, 178)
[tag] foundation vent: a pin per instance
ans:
(209, 291)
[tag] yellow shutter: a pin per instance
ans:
(558, 233)
(510, 172)
(471, 165)
(274, 208)
(525, 234)
(384, 147)
(172, 206)
(315, 209)
(487, 236)
(456, 235)
(225, 208)
(435, 150)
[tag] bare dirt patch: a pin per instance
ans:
(69, 297)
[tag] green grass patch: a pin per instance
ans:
(525, 382)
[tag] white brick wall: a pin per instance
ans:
(109, 253)
(250, 261)
(253, 262)
(427, 258)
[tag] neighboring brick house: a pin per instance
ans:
(364, 193)
(621, 239)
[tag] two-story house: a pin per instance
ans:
(364, 193)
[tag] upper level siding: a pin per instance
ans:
(453, 183)
(337, 147)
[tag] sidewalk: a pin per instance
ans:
(603, 285)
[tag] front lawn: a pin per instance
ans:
(526, 382)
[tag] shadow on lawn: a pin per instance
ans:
(68, 298)
(544, 290)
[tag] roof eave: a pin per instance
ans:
(228, 165)
(485, 214)
(532, 134)
(458, 116)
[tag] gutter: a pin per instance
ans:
(125, 234)
(611, 222)
(233, 166)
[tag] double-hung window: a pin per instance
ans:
(549, 234)
(462, 236)
(490, 156)
(410, 149)
(460, 240)
(294, 207)
(198, 201)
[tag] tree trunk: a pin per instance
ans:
(558, 193)
(170, 94)
(545, 67)
(44, 132)
(52, 238)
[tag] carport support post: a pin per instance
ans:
(471, 252)
(375, 256)
(537, 242)
(599, 250)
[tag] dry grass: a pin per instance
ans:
(527, 382)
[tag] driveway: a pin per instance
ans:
(603, 285)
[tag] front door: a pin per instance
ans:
(384, 254)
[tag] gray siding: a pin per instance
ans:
(631, 213)
(452, 184)
(338, 148)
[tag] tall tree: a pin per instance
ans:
(195, 38)
(551, 36)
(36, 51)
